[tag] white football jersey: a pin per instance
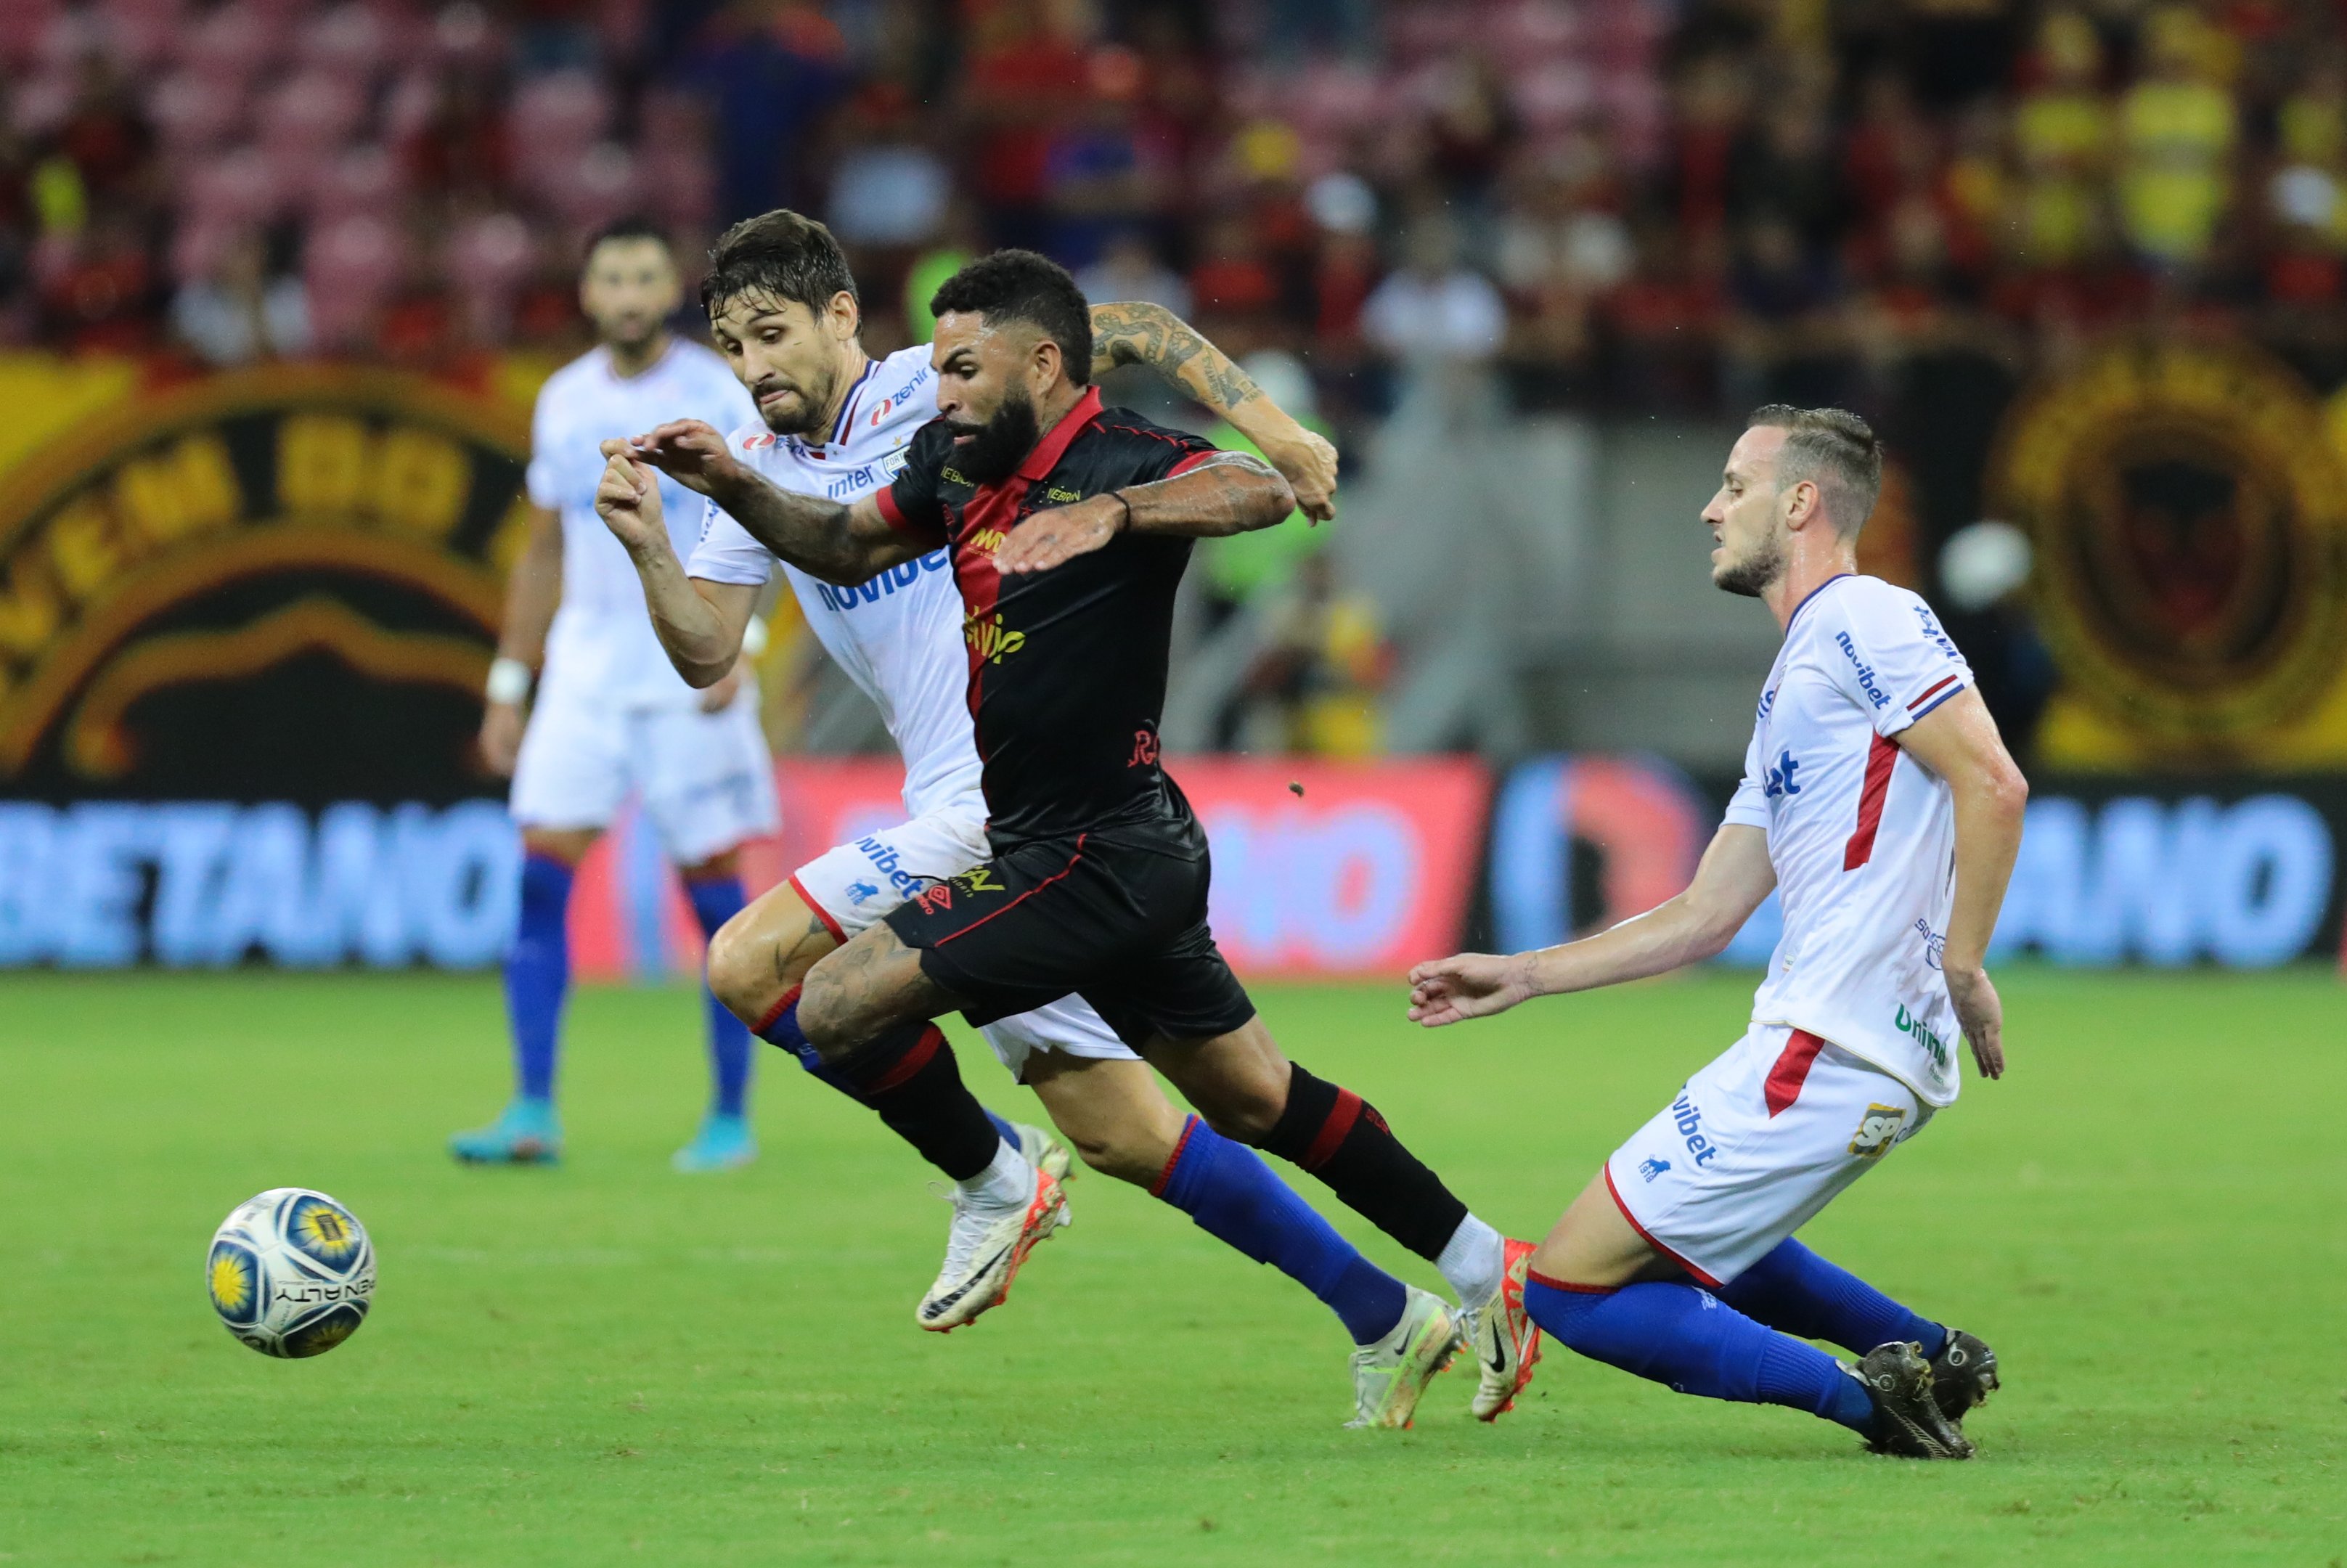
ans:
(898, 636)
(1862, 834)
(602, 640)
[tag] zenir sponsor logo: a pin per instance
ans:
(991, 639)
(1062, 497)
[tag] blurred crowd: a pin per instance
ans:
(1612, 203)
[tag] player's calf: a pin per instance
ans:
(868, 986)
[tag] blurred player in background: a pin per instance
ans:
(1878, 799)
(840, 428)
(610, 714)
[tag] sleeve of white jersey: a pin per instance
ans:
(726, 552)
(1890, 656)
(1748, 806)
(539, 478)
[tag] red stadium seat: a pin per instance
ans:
(194, 113)
(487, 261)
(350, 269)
(237, 187)
(316, 109)
(363, 179)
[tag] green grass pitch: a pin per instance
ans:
(611, 1363)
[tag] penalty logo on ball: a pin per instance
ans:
(290, 1273)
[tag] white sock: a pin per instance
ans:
(1010, 1181)
(1473, 1260)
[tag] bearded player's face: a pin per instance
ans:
(1746, 516)
(988, 381)
(627, 291)
(787, 356)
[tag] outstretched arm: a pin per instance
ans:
(699, 622)
(1958, 740)
(1224, 493)
(1734, 875)
(1138, 333)
(838, 544)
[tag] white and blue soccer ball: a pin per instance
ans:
(290, 1273)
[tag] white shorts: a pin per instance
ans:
(851, 885)
(706, 780)
(1756, 1143)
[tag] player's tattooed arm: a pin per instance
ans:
(820, 536)
(1139, 332)
(1224, 493)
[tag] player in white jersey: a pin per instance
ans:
(610, 715)
(1880, 802)
(834, 425)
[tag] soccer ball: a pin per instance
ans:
(290, 1273)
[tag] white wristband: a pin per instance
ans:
(509, 682)
(753, 637)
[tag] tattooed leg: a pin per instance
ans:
(765, 951)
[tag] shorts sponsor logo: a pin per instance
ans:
(978, 879)
(1935, 943)
(862, 892)
(1874, 693)
(1916, 1029)
(1780, 776)
(1878, 1130)
(886, 861)
(936, 897)
(1689, 1121)
(1650, 1169)
(1145, 750)
(991, 638)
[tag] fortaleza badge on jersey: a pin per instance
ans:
(281, 583)
(2190, 519)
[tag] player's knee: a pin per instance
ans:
(827, 1016)
(1120, 1154)
(741, 974)
(1243, 1112)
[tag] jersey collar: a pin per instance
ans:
(847, 405)
(1810, 595)
(1054, 445)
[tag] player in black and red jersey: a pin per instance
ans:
(1069, 527)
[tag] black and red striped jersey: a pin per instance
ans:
(1067, 667)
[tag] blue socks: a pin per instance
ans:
(1689, 1340)
(1795, 1292)
(538, 973)
(1233, 1196)
(717, 900)
(1008, 1128)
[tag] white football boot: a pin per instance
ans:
(1390, 1376)
(983, 1251)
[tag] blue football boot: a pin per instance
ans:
(723, 1143)
(527, 1132)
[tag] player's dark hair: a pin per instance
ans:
(1835, 450)
(781, 254)
(1021, 286)
(634, 226)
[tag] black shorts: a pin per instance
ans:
(1121, 927)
